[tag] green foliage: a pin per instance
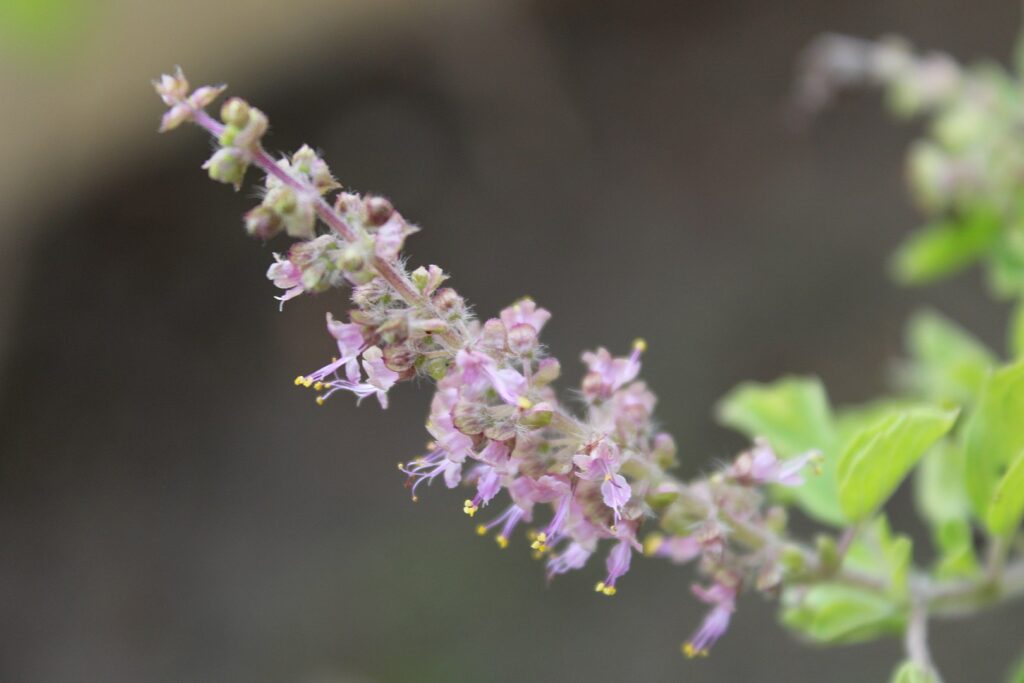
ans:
(879, 552)
(1016, 340)
(994, 435)
(1007, 505)
(876, 460)
(1017, 672)
(947, 364)
(830, 613)
(945, 247)
(939, 491)
(793, 413)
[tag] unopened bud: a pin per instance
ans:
(547, 372)
(537, 416)
(664, 453)
(469, 418)
(351, 259)
(262, 223)
(436, 368)
(227, 166)
(378, 210)
(235, 112)
(346, 203)
(394, 330)
(448, 301)
(399, 357)
(301, 221)
(828, 554)
(792, 559)
(253, 131)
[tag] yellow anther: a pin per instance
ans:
(319, 400)
(415, 499)
(608, 476)
(300, 381)
(401, 467)
(318, 386)
(524, 403)
(481, 530)
(652, 543)
(539, 543)
(690, 651)
(609, 591)
(469, 508)
(501, 541)
(599, 588)
(640, 345)
(307, 382)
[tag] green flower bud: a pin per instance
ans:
(227, 166)
(235, 113)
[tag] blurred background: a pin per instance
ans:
(171, 509)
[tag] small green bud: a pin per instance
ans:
(537, 416)
(227, 166)
(420, 277)
(436, 368)
(351, 259)
(262, 223)
(828, 554)
(792, 560)
(235, 113)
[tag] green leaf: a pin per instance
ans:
(877, 459)
(1006, 263)
(949, 365)
(944, 248)
(879, 552)
(939, 492)
(994, 434)
(1017, 672)
(794, 415)
(957, 557)
(1017, 332)
(1007, 505)
(909, 672)
(834, 613)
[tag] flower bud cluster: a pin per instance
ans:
(580, 485)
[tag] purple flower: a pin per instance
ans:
(574, 556)
(606, 374)
(760, 465)
(351, 343)
(286, 275)
(441, 426)
(677, 549)
(508, 521)
(602, 464)
(379, 379)
(618, 559)
(479, 371)
(428, 468)
(722, 598)
(525, 312)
